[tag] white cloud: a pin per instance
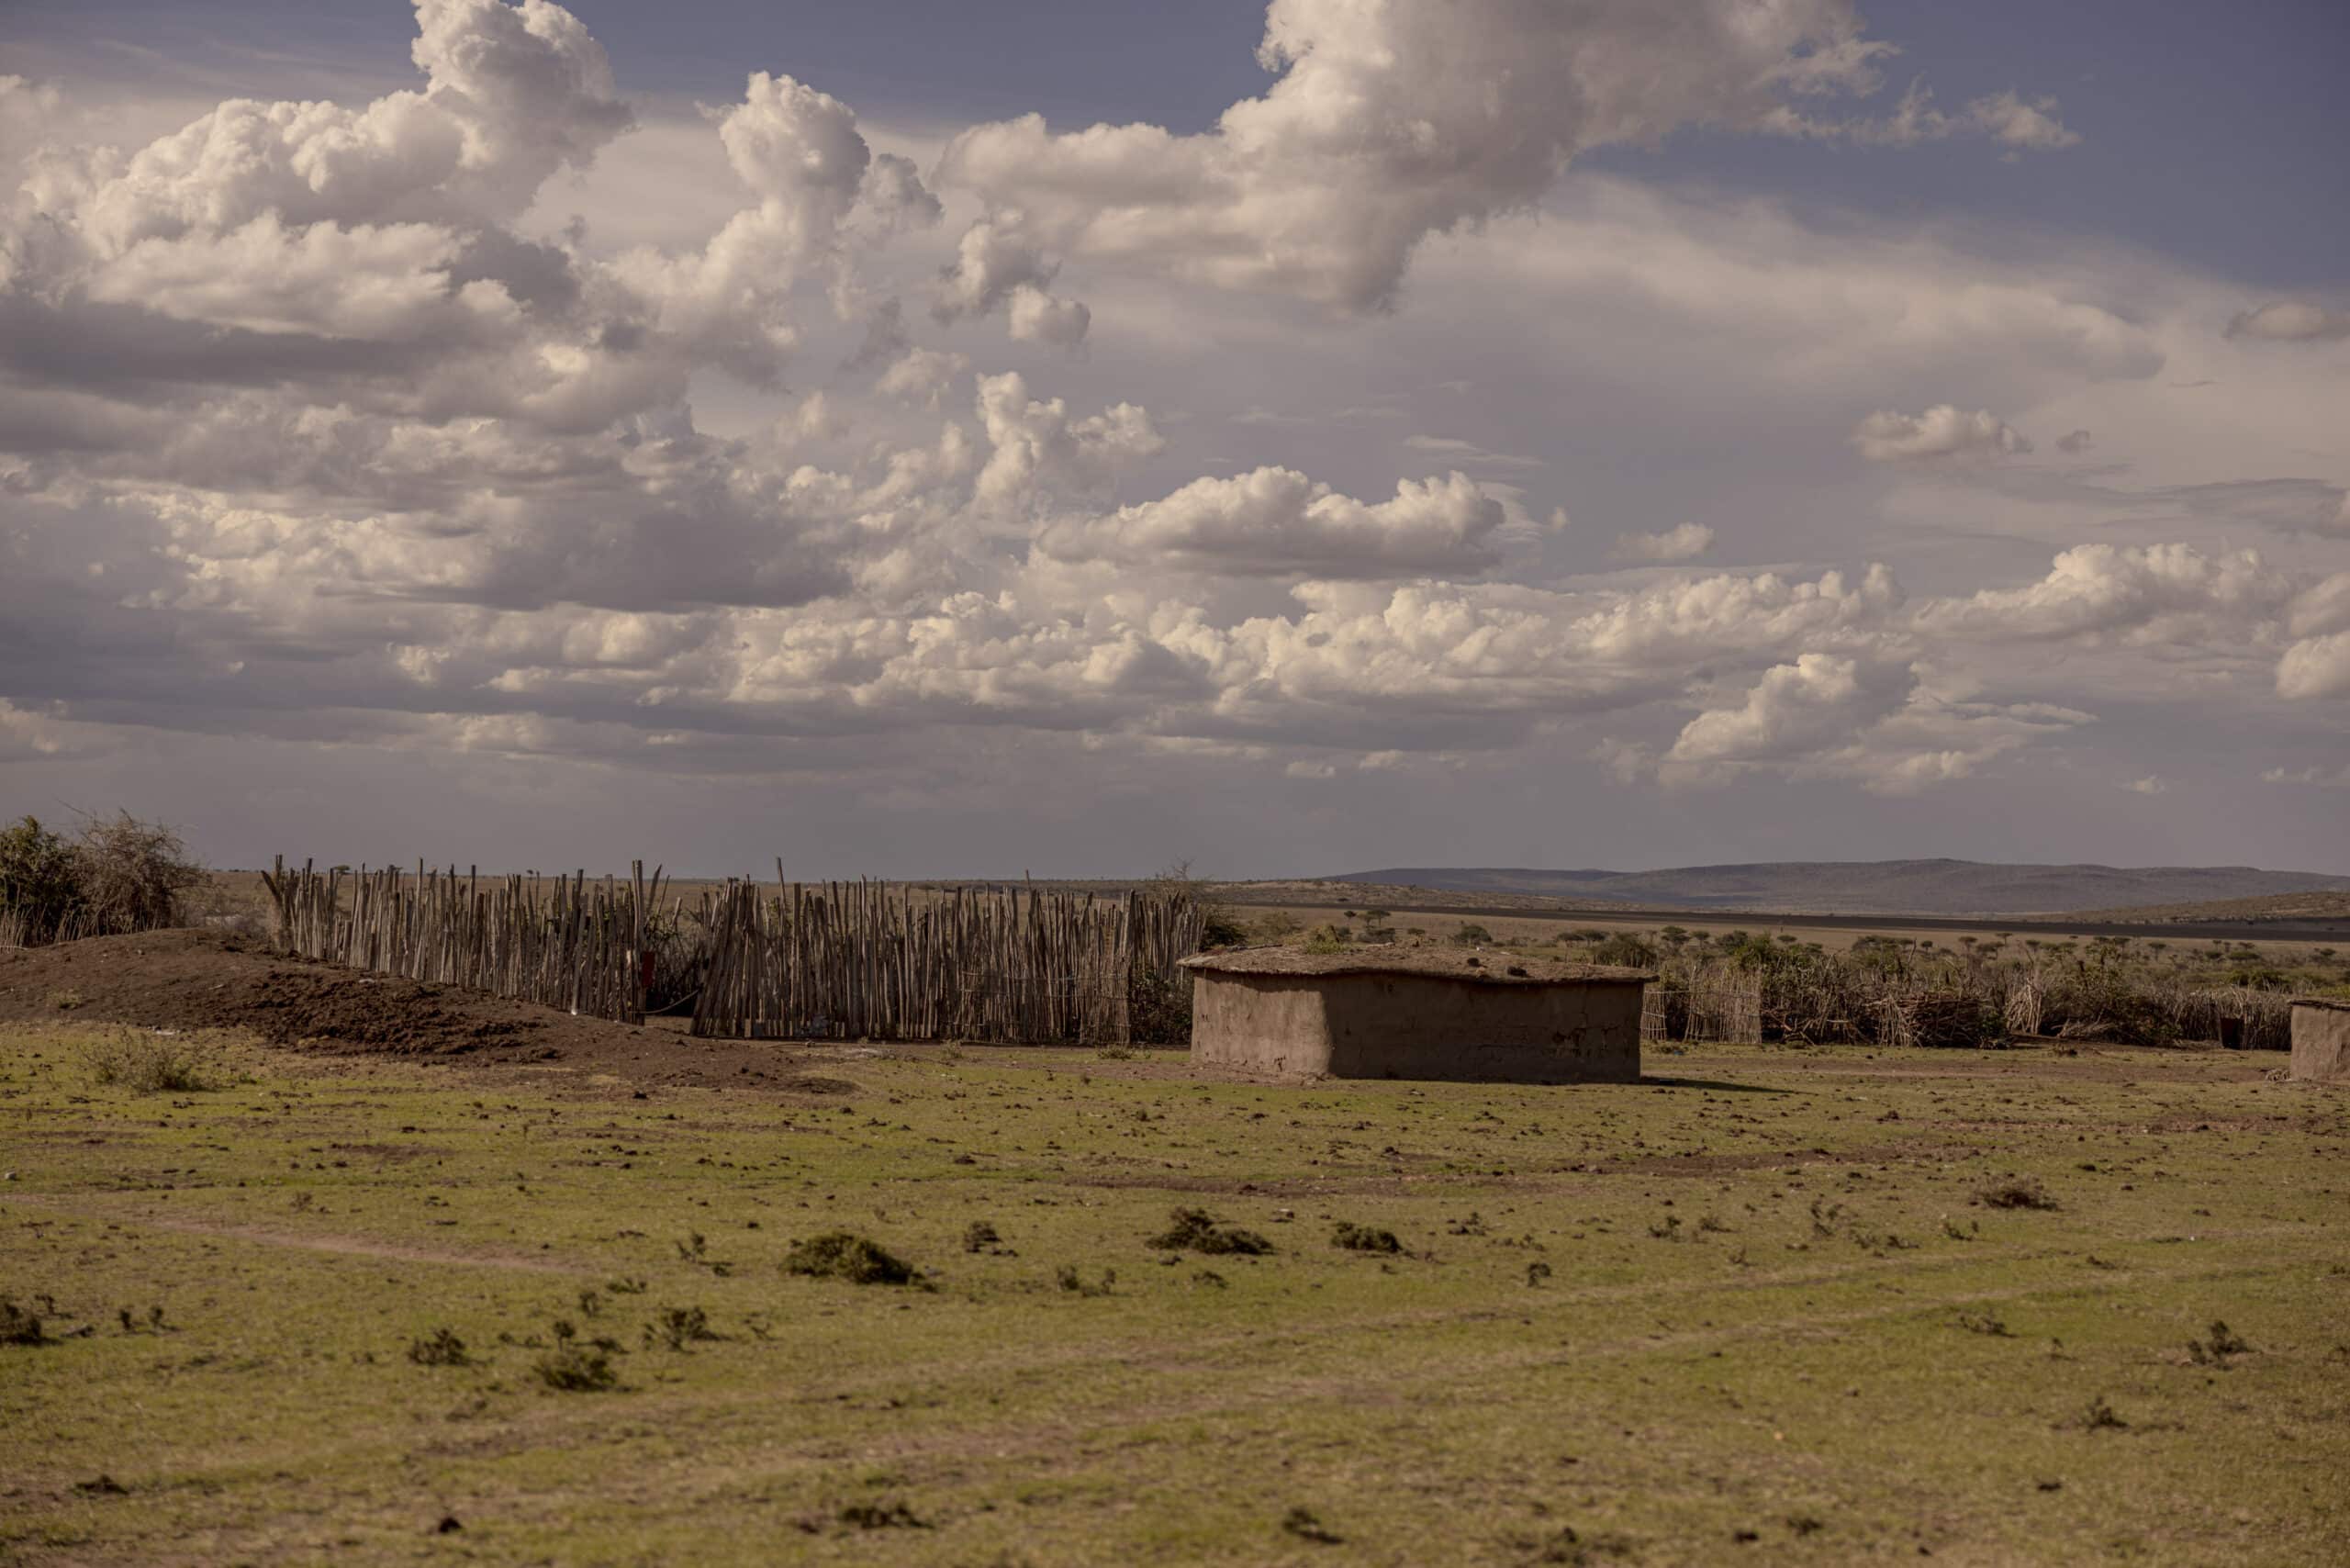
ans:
(1276, 521)
(922, 376)
(2292, 321)
(1942, 430)
(406, 459)
(2147, 594)
(2315, 668)
(1392, 121)
(2151, 784)
(1038, 444)
(2004, 117)
(1685, 542)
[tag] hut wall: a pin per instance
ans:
(2322, 1041)
(1432, 1026)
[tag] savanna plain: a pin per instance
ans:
(673, 1300)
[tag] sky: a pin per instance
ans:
(929, 438)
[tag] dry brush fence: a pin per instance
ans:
(852, 960)
(568, 942)
(862, 960)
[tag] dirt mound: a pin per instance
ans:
(195, 980)
(208, 979)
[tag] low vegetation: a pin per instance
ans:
(144, 1062)
(844, 1255)
(1969, 991)
(398, 1293)
(115, 876)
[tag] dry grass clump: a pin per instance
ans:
(1356, 1238)
(576, 1369)
(1195, 1230)
(844, 1255)
(144, 1064)
(18, 1325)
(2016, 1193)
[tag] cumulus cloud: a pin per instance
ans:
(1685, 542)
(1392, 121)
(313, 426)
(1881, 724)
(998, 264)
(2315, 668)
(1942, 431)
(1277, 521)
(1791, 710)
(2292, 321)
(2135, 593)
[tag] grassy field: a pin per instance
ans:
(1767, 1306)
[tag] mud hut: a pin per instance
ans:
(2320, 1039)
(1478, 1015)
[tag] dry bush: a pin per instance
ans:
(144, 1064)
(844, 1255)
(1195, 1230)
(133, 874)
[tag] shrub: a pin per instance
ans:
(442, 1347)
(576, 1369)
(1219, 927)
(144, 1064)
(1624, 948)
(1195, 1230)
(2015, 1192)
(18, 1325)
(844, 1255)
(132, 873)
(1363, 1238)
(39, 889)
(1473, 934)
(118, 875)
(679, 1326)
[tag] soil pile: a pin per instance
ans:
(208, 979)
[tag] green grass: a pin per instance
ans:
(1773, 1307)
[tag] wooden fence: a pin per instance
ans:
(847, 961)
(563, 942)
(862, 960)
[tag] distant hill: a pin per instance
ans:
(1873, 887)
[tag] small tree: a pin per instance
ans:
(132, 873)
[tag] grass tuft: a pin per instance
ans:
(844, 1255)
(2016, 1193)
(1356, 1238)
(144, 1064)
(576, 1369)
(1195, 1230)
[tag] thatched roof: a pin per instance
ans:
(2337, 1004)
(1490, 965)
